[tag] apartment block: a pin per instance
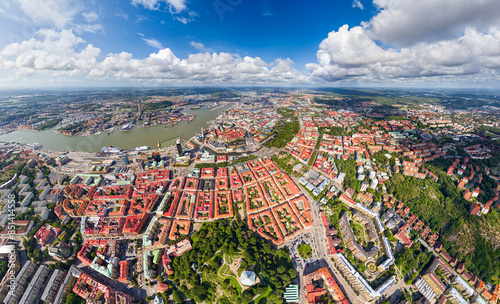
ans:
(358, 282)
(52, 286)
(67, 285)
(462, 286)
(350, 241)
(425, 290)
(438, 263)
(36, 286)
(22, 280)
(454, 296)
(367, 224)
(432, 280)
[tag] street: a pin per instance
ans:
(321, 246)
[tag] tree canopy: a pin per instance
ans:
(214, 239)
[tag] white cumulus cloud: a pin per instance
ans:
(149, 4)
(215, 68)
(406, 22)
(56, 53)
(425, 41)
(177, 5)
(350, 54)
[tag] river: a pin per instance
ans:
(126, 140)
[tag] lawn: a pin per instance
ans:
(372, 267)
(224, 270)
(305, 251)
(265, 294)
(359, 232)
(225, 273)
(235, 283)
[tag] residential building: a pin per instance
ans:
(432, 280)
(455, 297)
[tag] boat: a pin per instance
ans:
(142, 148)
(111, 149)
(112, 130)
(158, 144)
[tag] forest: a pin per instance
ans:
(413, 258)
(285, 132)
(334, 131)
(440, 205)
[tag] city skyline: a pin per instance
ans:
(383, 43)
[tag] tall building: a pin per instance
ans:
(156, 156)
(67, 284)
(125, 159)
(179, 147)
(314, 291)
(364, 186)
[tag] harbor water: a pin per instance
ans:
(126, 140)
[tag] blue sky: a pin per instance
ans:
(268, 29)
(249, 42)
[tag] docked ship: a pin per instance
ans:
(127, 127)
(111, 149)
(142, 148)
(35, 146)
(6, 131)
